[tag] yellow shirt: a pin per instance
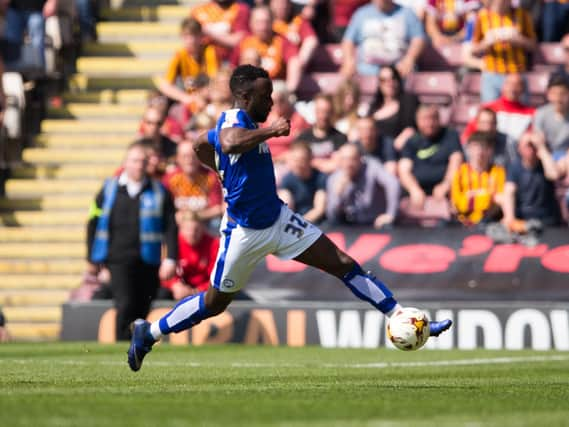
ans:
(185, 66)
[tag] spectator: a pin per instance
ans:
(295, 29)
(197, 255)
(446, 20)
(552, 119)
(189, 62)
(428, 163)
(224, 23)
(130, 219)
(564, 69)
(504, 36)
(27, 16)
(193, 186)
(503, 147)
(346, 106)
(322, 137)
(554, 20)
(151, 135)
(317, 13)
(219, 95)
(87, 21)
(4, 336)
(529, 193)
(478, 185)
(278, 56)
(375, 145)
(513, 117)
(361, 191)
(379, 34)
(283, 107)
(342, 11)
(393, 109)
(303, 189)
(171, 127)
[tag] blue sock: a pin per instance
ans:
(188, 312)
(368, 288)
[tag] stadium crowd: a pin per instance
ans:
(430, 114)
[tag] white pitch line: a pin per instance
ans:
(250, 365)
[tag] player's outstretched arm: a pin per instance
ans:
(237, 140)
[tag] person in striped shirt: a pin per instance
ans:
(503, 35)
(478, 184)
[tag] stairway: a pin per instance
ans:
(43, 217)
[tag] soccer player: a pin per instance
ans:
(257, 223)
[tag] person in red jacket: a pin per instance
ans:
(197, 252)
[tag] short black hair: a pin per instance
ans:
(558, 79)
(243, 77)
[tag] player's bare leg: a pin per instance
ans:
(325, 255)
(187, 313)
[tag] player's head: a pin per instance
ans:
(251, 88)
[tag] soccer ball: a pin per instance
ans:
(408, 329)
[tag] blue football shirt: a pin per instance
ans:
(248, 178)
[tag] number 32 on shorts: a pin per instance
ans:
(296, 226)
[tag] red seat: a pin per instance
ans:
(537, 86)
(462, 113)
(470, 87)
(313, 83)
(433, 87)
(445, 58)
(549, 54)
(326, 58)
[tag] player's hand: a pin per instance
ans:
(281, 127)
(167, 269)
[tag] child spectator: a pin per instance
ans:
(189, 62)
(197, 251)
(478, 184)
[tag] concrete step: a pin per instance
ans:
(34, 234)
(125, 31)
(45, 218)
(122, 67)
(42, 250)
(39, 281)
(34, 331)
(136, 48)
(23, 187)
(111, 156)
(85, 82)
(79, 111)
(53, 266)
(108, 96)
(65, 172)
(170, 13)
(33, 314)
(83, 140)
(92, 126)
(10, 298)
(49, 203)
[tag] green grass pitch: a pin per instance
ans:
(87, 384)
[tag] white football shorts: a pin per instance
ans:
(241, 249)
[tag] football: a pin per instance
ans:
(408, 329)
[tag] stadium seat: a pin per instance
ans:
(537, 86)
(368, 87)
(548, 56)
(470, 87)
(327, 58)
(433, 87)
(312, 83)
(446, 58)
(461, 113)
